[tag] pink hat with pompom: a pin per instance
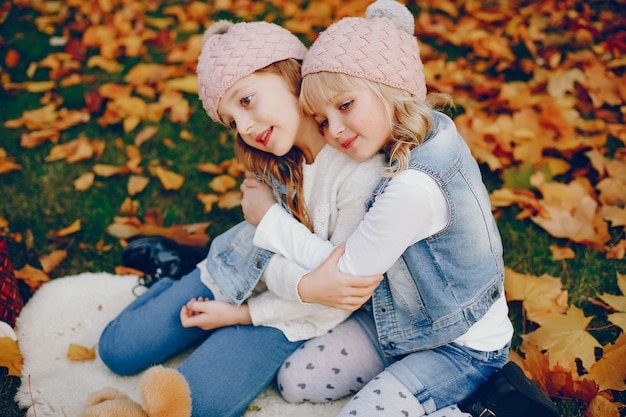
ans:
(380, 47)
(232, 51)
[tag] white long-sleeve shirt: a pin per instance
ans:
(392, 224)
(335, 189)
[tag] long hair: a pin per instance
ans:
(409, 118)
(287, 168)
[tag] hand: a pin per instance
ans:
(328, 286)
(210, 314)
(257, 199)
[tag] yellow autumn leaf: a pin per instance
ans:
(84, 182)
(136, 184)
(222, 183)
(207, 200)
(559, 254)
(50, 261)
(188, 84)
(72, 228)
(103, 170)
(10, 356)
(609, 372)
(80, 353)
(541, 295)
(566, 338)
(229, 200)
(33, 277)
(109, 65)
(169, 180)
(144, 135)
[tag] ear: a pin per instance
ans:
(111, 402)
(164, 393)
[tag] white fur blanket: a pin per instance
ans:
(74, 310)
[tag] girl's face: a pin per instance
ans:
(355, 122)
(264, 111)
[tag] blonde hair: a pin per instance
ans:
(409, 117)
(287, 168)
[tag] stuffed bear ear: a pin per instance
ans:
(110, 402)
(164, 393)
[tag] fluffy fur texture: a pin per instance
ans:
(164, 393)
(75, 309)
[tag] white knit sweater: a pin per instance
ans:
(335, 190)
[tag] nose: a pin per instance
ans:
(335, 128)
(244, 126)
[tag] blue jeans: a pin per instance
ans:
(228, 368)
(441, 376)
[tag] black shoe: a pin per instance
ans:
(158, 256)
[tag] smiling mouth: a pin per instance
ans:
(264, 137)
(347, 144)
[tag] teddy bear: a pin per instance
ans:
(163, 392)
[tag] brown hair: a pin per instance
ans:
(287, 168)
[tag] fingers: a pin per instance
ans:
(335, 255)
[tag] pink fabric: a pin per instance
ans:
(372, 48)
(241, 50)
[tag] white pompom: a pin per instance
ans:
(396, 12)
(217, 28)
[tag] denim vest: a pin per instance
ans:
(445, 283)
(234, 262)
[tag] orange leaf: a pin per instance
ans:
(610, 371)
(541, 295)
(50, 261)
(229, 200)
(73, 228)
(222, 183)
(136, 184)
(559, 254)
(602, 407)
(80, 353)
(33, 277)
(144, 135)
(169, 179)
(103, 170)
(566, 338)
(10, 356)
(84, 182)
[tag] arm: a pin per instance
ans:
(418, 212)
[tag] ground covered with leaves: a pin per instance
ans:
(102, 138)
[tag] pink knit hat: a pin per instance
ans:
(380, 47)
(232, 51)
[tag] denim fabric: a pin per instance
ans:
(229, 367)
(444, 284)
(234, 262)
(441, 376)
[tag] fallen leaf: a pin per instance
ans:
(169, 179)
(84, 182)
(33, 277)
(136, 184)
(80, 353)
(50, 261)
(222, 183)
(566, 338)
(73, 228)
(10, 356)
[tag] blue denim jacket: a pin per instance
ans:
(234, 262)
(443, 284)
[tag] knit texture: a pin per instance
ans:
(376, 48)
(233, 51)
